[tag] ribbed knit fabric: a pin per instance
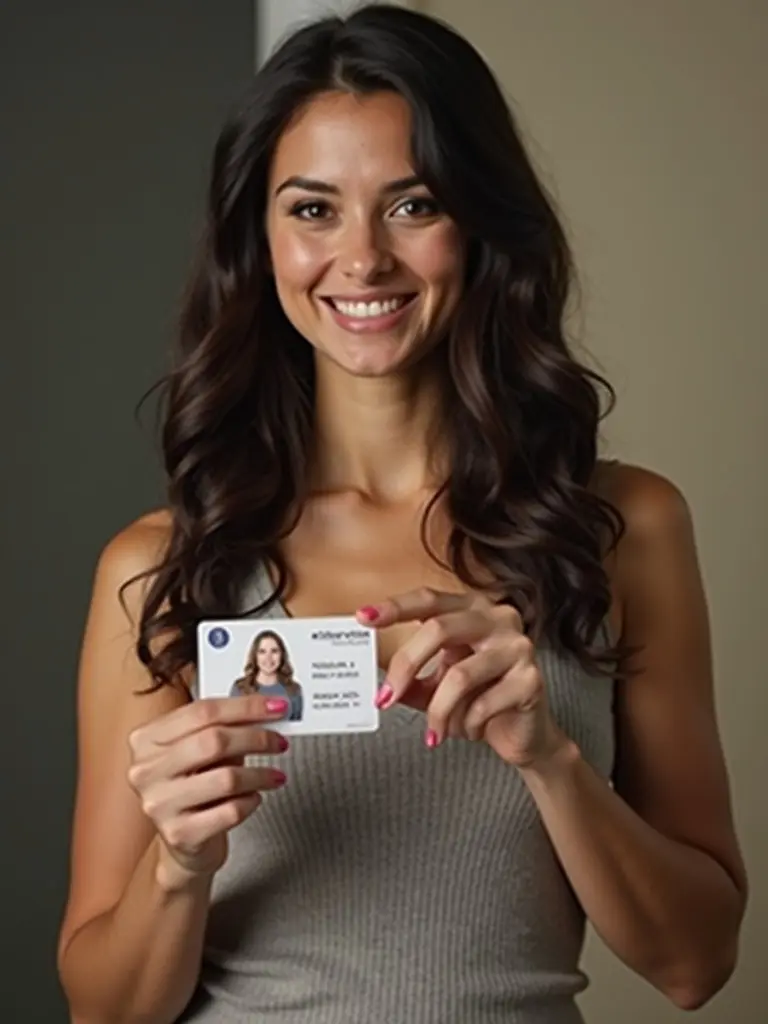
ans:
(393, 884)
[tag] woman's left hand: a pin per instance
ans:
(485, 683)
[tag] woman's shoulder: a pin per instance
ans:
(649, 502)
(658, 526)
(138, 546)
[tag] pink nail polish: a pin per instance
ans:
(431, 738)
(279, 778)
(384, 696)
(276, 706)
(369, 612)
(282, 744)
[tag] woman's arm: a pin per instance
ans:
(655, 863)
(131, 941)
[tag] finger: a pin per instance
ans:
(453, 629)
(455, 728)
(188, 832)
(200, 714)
(508, 618)
(195, 792)
(461, 681)
(201, 749)
(519, 690)
(447, 658)
(423, 603)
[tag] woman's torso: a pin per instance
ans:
(389, 882)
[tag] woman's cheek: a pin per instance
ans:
(297, 261)
(438, 258)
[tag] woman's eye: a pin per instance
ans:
(313, 210)
(418, 207)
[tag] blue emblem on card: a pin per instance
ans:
(218, 637)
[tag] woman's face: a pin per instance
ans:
(268, 656)
(366, 265)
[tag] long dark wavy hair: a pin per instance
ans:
(237, 408)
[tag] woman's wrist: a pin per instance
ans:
(173, 878)
(556, 763)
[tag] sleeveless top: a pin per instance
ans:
(394, 884)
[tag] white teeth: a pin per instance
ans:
(369, 309)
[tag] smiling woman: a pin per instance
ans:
(375, 411)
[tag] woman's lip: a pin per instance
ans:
(369, 324)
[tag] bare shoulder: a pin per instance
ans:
(657, 548)
(146, 538)
(654, 509)
(645, 498)
(136, 549)
(126, 568)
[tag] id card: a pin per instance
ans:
(326, 668)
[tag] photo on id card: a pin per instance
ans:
(326, 669)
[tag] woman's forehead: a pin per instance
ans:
(346, 140)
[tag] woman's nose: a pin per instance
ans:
(365, 253)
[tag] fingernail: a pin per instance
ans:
(369, 612)
(384, 696)
(431, 738)
(282, 744)
(279, 778)
(276, 705)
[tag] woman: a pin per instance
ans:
(268, 671)
(375, 411)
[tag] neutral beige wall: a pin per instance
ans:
(649, 118)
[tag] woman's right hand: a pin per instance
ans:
(187, 768)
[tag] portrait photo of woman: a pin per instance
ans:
(268, 672)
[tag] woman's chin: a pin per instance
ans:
(372, 358)
(372, 370)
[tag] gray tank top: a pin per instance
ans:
(394, 884)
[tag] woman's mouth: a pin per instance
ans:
(376, 315)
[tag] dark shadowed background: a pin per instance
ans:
(108, 113)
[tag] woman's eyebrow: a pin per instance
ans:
(315, 185)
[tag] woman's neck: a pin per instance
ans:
(376, 436)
